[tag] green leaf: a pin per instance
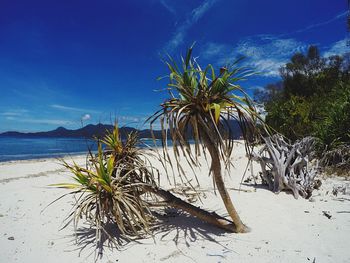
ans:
(66, 185)
(217, 110)
(110, 167)
(188, 56)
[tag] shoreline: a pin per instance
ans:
(60, 155)
(283, 229)
(42, 159)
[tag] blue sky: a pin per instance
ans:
(64, 63)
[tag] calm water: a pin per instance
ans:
(34, 148)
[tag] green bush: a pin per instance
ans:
(313, 99)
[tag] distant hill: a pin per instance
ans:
(89, 131)
(98, 130)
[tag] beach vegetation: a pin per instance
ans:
(202, 105)
(313, 99)
(119, 186)
(110, 187)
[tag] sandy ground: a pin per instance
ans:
(283, 229)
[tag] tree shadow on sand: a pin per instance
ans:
(179, 226)
(86, 241)
(256, 185)
(264, 186)
(171, 224)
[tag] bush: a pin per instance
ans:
(313, 99)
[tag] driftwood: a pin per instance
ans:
(205, 216)
(288, 166)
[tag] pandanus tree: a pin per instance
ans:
(202, 106)
(111, 187)
(118, 186)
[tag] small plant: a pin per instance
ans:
(111, 186)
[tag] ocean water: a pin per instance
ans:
(34, 148)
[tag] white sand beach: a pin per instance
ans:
(282, 229)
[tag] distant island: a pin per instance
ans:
(88, 131)
(98, 130)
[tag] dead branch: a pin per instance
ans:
(286, 166)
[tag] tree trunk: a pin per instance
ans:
(216, 170)
(211, 218)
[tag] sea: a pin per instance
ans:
(12, 148)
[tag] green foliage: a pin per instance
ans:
(111, 186)
(202, 103)
(333, 129)
(290, 117)
(311, 74)
(312, 99)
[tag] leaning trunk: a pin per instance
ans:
(173, 201)
(216, 170)
(209, 142)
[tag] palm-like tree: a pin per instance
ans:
(201, 106)
(116, 186)
(111, 186)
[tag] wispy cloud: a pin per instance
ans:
(338, 48)
(167, 6)
(265, 53)
(130, 118)
(68, 108)
(181, 31)
(48, 121)
(14, 112)
(257, 88)
(41, 121)
(198, 12)
(320, 24)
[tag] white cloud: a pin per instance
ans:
(181, 31)
(315, 25)
(130, 119)
(212, 50)
(167, 6)
(258, 88)
(67, 108)
(267, 53)
(9, 113)
(48, 121)
(86, 117)
(14, 112)
(312, 26)
(338, 48)
(199, 11)
(42, 121)
(264, 53)
(268, 67)
(177, 39)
